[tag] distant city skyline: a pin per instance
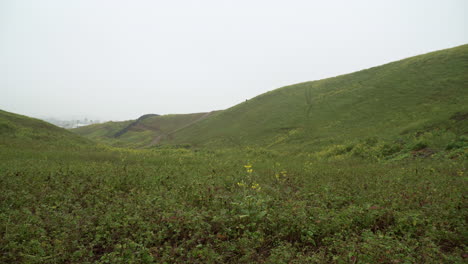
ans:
(118, 60)
(71, 123)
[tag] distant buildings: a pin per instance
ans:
(71, 123)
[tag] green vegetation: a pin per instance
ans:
(24, 132)
(146, 131)
(185, 206)
(392, 102)
(400, 103)
(368, 167)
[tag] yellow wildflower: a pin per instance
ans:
(277, 176)
(241, 184)
(248, 166)
(256, 186)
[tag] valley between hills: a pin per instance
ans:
(366, 167)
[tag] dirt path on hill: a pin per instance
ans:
(158, 139)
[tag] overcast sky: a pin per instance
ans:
(118, 60)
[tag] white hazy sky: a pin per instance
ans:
(117, 60)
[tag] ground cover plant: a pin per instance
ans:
(368, 167)
(228, 206)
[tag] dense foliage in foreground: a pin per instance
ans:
(237, 206)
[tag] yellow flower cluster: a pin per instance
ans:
(241, 184)
(254, 185)
(248, 167)
(281, 176)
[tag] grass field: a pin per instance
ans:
(369, 167)
(230, 206)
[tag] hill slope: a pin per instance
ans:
(388, 101)
(25, 132)
(145, 131)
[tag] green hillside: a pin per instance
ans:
(389, 102)
(143, 132)
(24, 132)
(368, 167)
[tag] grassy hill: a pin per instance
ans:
(24, 132)
(143, 132)
(416, 104)
(61, 202)
(390, 102)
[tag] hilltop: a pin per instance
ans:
(26, 132)
(318, 172)
(415, 104)
(390, 102)
(145, 131)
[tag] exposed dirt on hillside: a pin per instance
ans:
(132, 125)
(460, 116)
(158, 139)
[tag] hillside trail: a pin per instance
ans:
(157, 139)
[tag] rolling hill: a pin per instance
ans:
(317, 172)
(145, 131)
(407, 97)
(24, 132)
(414, 101)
